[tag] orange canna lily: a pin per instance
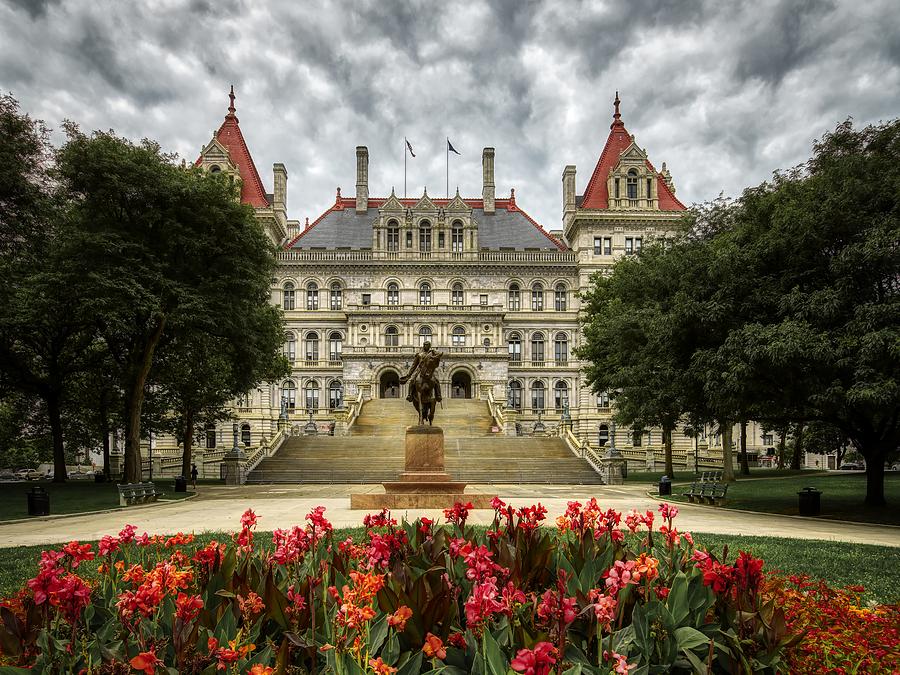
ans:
(146, 662)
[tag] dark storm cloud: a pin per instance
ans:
(723, 91)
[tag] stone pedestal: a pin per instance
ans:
(424, 484)
(234, 469)
(611, 469)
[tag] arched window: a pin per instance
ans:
(537, 297)
(456, 241)
(337, 299)
(215, 168)
(290, 346)
(289, 394)
(312, 396)
(391, 338)
(393, 294)
(603, 435)
(458, 337)
(560, 394)
(537, 396)
(210, 436)
(335, 395)
(424, 236)
(537, 347)
(514, 397)
(312, 346)
(560, 297)
(515, 298)
(424, 335)
(561, 349)
(335, 346)
(288, 296)
(245, 434)
(425, 294)
(631, 184)
(312, 295)
(515, 347)
(602, 400)
(456, 294)
(393, 236)
(637, 436)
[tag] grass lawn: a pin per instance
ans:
(842, 496)
(686, 476)
(72, 497)
(838, 563)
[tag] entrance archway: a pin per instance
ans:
(389, 384)
(461, 385)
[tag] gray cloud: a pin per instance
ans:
(723, 91)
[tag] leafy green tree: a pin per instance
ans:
(155, 245)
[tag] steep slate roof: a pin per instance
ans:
(230, 136)
(508, 227)
(596, 196)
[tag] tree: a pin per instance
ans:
(155, 245)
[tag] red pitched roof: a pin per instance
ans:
(231, 138)
(596, 196)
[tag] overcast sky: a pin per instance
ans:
(723, 91)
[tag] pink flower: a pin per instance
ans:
(126, 535)
(483, 603)
(555, 608)
(668, 511)
(621, 662)
(108, 545)
(605, 607)
(249, 519)
(537, 661)
(497, 504)
(619, 576)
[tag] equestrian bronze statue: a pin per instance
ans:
(424, 388)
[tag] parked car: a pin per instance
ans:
(8, 475)
(850, 466)
(29, 474)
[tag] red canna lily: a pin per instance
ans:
(146, 662)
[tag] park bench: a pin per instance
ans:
(707, 489)
(715, 494)
(137, 493)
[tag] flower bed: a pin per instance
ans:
(603, 592)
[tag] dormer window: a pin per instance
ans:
(457, 237)
(616, 182)
(215, 168)
(393, 236)
(631, 184)
(425, 236)
(649, 188)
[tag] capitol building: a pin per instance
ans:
(371, 279)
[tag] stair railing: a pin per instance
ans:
(580, 449)
(496, 410)
(266, 448)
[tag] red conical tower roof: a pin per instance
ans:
(596, 196)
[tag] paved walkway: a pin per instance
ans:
(280, 506)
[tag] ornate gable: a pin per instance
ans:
(458, 206)
(425, 205)
(391, 205)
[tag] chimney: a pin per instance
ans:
(568, 185)
(280, 187)
(362, 179)
(487, 190)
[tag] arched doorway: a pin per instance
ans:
(389, 384)
(460, 385)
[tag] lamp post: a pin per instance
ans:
(612, 452)
(236, 449)
(538, 426)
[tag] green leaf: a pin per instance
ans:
(677, 602)
(688, 638)
(377, 634)
(391, 650)
(574, 670)
(496, 661)
(413, 666)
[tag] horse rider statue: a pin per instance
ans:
(424, 388)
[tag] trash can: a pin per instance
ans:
(810, 502)
(99, 477)
(38, 502)
(180, 484)
(665, 485)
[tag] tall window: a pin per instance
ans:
(537, 297)
(638, 241)
(290, 346)
(515, 348)
(424, 335)
(559, 298)
(391, 338)
(312, 396)
(631, 184)
(456, 241)
(312, 295)
(393, 236)
(537, 348)
(602, 400)
(335, 395)
(603, 435)
(514, 397)
(537, 396)
(288, 296)
(425, 294)
(245, 434)
(456, 294)
(312, 346)
(393, 294)
(607, 245)
(458, 337)
(425, 236)
(335, 346)
(636, 438)
(649, 188)
(598, 245)
(289, 394)
(337, 299)
(514, 298)
(408, 239)
(561, 349)
(441, 239)
(616, 185)
(560, 394)
(210, 436)
(629, 245)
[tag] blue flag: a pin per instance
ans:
(450, 147)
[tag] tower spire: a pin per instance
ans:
(231, 108)
(617, 116)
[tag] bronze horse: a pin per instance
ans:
(424, 389)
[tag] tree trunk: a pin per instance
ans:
(56, 433)
(798, 448)
(104, 434)
(187, 441)
(875, 479)
(727, 456)
(745, 463)
(667, 440)
(782, 445)
(134, 400)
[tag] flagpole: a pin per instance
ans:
(404, 166)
